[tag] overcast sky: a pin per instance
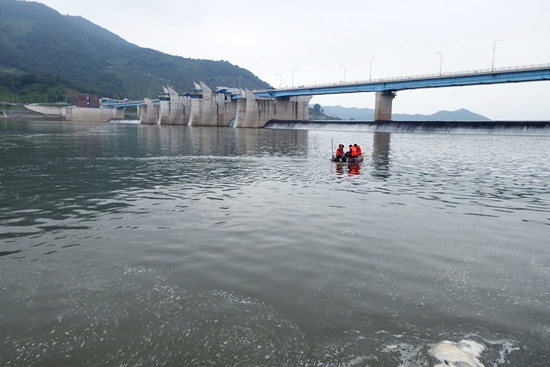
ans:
(326, 41)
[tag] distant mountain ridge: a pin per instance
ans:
(367, 114)
(37, 40)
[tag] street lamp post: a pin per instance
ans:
(344, 72)
(293, 76)
(494, 47)
(279, 80)
(370, 68)
(440, 61)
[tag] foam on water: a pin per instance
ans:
(461, 354)
(135, 316)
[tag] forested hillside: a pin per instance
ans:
(48, 56)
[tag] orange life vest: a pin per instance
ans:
(353, 151)
(359, 152)
(339, 152)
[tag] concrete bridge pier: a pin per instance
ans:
(382, 106)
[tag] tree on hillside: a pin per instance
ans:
(317, 110)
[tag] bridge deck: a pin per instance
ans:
(463, 78)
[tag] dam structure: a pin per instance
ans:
(202, 106)
(222, 107)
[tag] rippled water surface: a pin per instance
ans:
(129, 245)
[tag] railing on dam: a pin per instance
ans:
(457, 74)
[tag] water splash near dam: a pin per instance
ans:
(461, 127)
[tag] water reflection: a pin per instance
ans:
(354, 168)
(381, 154)
(208, 141)
(89, 171)
(339, 168)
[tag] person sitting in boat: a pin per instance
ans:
(348, 154)
(358, 147)
(339, 154)
(352, 152)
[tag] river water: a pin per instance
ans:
(131, 245)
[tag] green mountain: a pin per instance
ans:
(41, 49)
(367, 114)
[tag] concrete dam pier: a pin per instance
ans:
(223, 107)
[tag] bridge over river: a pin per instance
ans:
(385, 89)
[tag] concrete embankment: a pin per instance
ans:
(59, 113)
(21, 113)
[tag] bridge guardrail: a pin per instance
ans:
(421, 76)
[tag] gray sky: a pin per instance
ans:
(322, 41)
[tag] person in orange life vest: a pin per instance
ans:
(359, 152)
(339, 152)
(352, 151)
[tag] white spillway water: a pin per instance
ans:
(125, 121)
